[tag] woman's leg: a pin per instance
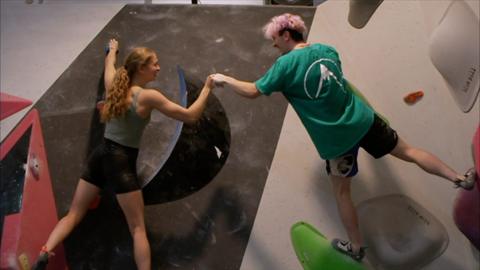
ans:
(133, 208)
(84, 195)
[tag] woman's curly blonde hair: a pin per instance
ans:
(116, 97)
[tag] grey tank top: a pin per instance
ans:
(127, 130)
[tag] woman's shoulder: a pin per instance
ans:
(137, 90)
(148, 91)
(148, 94)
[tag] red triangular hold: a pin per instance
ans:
(26, 229)
(11, 104)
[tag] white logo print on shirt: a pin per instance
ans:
(325, 74)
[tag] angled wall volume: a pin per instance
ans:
(28, 208)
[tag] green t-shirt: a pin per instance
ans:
(311, 79)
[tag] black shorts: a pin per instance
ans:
(114, 165)
(380, 140)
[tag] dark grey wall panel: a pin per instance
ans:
(209, 228)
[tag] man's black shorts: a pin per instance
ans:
(380, 140)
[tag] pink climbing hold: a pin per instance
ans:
(466, 211)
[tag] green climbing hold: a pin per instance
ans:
(315, 252)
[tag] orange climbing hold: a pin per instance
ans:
(413, 97)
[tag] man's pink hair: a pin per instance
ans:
(284, 21)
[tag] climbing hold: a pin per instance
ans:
(315, 252)
(413, 97)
